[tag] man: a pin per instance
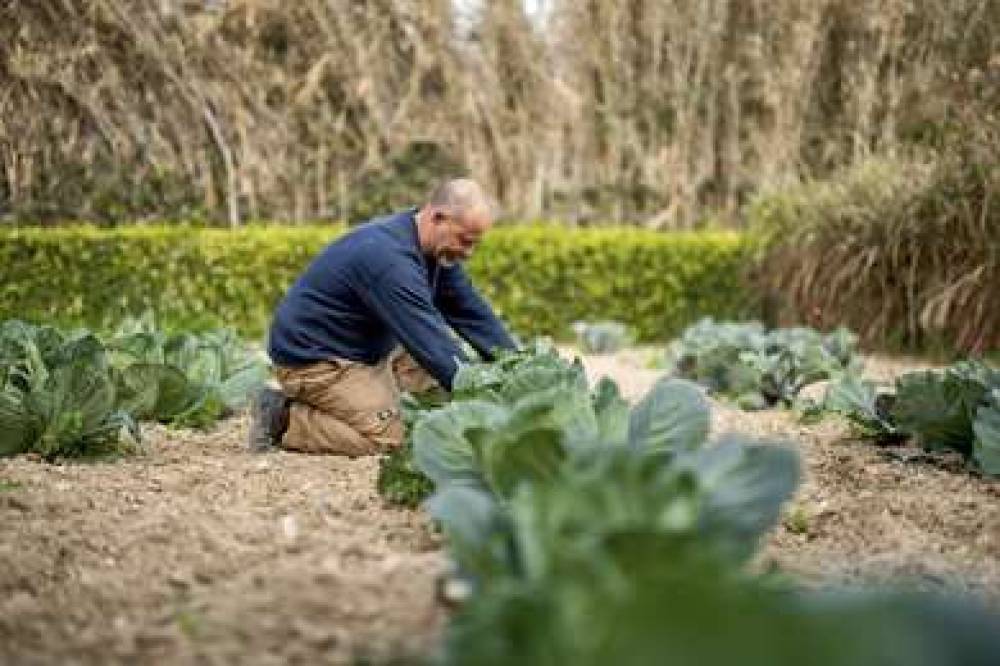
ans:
(373, 306)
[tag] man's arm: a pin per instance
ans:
(469, 314)
(402, 300)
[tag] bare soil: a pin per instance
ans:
(202, 553)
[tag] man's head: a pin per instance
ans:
(454, 220)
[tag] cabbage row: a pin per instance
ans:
(74, 394)
(956, 408)
(760, 368)
(586, 531)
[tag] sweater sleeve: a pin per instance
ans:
(469, 314)
(404, 302)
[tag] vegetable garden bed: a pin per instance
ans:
(200, 549)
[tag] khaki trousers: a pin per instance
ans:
(343, 407)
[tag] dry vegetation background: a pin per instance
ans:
(645, 111)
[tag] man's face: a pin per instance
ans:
(459, 235)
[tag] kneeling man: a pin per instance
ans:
(370, 317)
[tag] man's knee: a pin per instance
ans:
(347, 407)
(410, 377)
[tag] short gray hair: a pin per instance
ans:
(461, 195)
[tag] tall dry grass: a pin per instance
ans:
(640, 110)
(905, 253)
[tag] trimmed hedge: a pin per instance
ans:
(539, 279)
(543, 278)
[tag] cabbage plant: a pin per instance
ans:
(183, 379)
(399, 481)
(73, 394)
(760, 368)
(955, 408)
(511, 375)
(601, 337)
(666, 600)
(58, 395)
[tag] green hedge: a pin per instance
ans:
(540, 279)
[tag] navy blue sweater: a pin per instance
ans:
(373, 289)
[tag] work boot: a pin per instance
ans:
(269, 414)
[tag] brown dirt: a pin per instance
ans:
(201, 553)
(863, 514)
